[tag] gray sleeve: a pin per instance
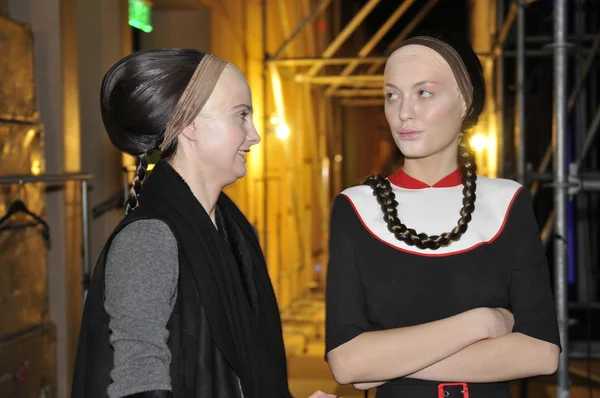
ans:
(141, 287)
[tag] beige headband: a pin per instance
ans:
(454, 60)
(194, 97)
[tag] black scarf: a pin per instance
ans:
(231, 276)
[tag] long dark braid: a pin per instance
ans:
(386, 198)
(138, 97)
(136, 185)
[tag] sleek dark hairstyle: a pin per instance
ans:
(382, 188)
(137, 99)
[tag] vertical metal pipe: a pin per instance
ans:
(594, 163)
(520, 100)
(585, 280)
(559, 143)
(85, 233)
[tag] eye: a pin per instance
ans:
(391, 96)
(244, 115)
(425, 93)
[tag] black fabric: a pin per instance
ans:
(373, 286)
(225, 330)
(477, 390)
(531, 300)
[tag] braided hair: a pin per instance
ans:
(138, 97)
(136, 185)
(386, 198)
(382, 188)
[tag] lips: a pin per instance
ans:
(409, 134)
(243, 152)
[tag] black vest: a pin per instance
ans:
(211, 356)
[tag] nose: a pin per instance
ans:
(406, 111)
(253, 137)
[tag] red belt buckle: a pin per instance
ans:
(442, 393)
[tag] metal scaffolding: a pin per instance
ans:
(559, 144)
(573, 179)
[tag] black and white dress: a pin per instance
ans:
(377, 282)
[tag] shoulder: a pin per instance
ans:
(508, 202)
(143, 247)
(357, 191)
(351, 199)
(499, 186)
(357, 195)
(146, 233)
(498, 194)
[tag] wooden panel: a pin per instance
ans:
(23, 273)
(23, 286)
(17, 87)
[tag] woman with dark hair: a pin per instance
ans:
(180, 303)
(412, 309)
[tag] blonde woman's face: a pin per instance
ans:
(423, 104)
(225, 129)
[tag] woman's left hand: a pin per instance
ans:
(321, 394)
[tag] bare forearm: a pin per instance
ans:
(510, 357)
(389, 354)
(368, 386)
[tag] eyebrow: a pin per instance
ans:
(243, 106)
(417, 84)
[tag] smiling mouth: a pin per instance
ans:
(243, 152)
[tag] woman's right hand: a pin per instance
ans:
(500, 322)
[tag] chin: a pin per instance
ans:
(241, 173)
(412, 149)
(415, 151)
(236, 175)
(415, 154)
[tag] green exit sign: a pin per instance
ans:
(140, 15)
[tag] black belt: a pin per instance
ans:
(444, 390)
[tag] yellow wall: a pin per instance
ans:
(483, 35)
(289, 169)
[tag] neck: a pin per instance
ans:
(206, 193)
(430, 169)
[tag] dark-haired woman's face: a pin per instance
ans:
(423, 104)
(225, 130)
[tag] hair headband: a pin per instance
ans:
(194, 97)
(454, 60)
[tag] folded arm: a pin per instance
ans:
(514, 356)
(389, 354)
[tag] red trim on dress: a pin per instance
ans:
(403, 180)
